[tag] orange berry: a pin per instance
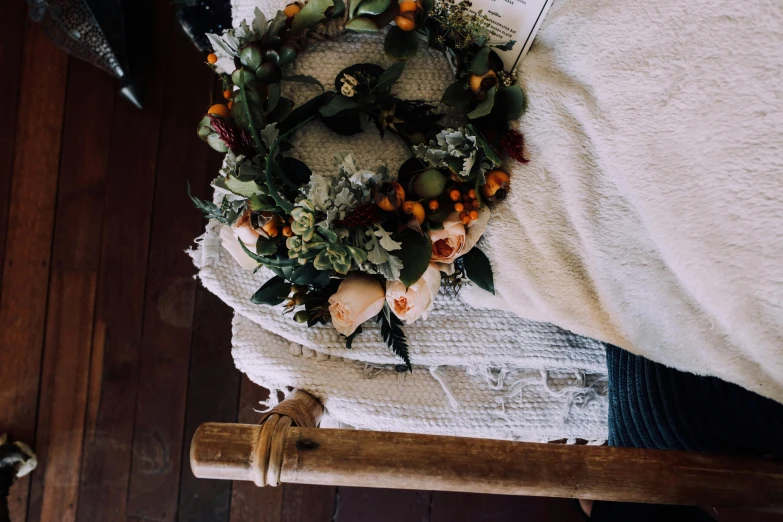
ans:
(459, 207)
(474, 215)
(465, 217)
(287, 232)
(230, 104)
(212, 58)
(476, 82)
(220, 110)
(433, 204)
(291, 10)
(472, 194)
(406, 7)
(227, 94)
(455, 195)
(415, 209)
(405, 24)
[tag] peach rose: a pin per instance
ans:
(453, 240)
(415, 301)
(358, 298)
(230, 242)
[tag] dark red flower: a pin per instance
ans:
(238, 140)
(363, 215)
(514, 145)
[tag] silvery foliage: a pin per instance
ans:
(452, 143)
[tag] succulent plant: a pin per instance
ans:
(304, 220)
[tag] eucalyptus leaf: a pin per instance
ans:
(273, 292)
(295, 170)
(216, 143)
(304, 112)
(362, 25)
(388, 77)
(336, 105)
(277, 23)
(304, 274)
(479, 270)
(512, 101)
(484, 107)
(479, 65)
(280, 263)
(415, 254)
(399, 44)
(372, 7)
(457, 95)
(272, 97)
(265, 246)
(304, 78)
(312, 14)
(282, 110)
(242, 188)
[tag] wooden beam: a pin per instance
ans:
(413, 461)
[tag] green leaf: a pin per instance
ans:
(415, 255)
(304, 274)
(265, 246)
(242, 188)
(304, 78)
(208, 209)
(512, 101)
(391, 330)
(282, 110)
(408, 170)
(457, 95)
(273, 292)
(372, 7)
(339, 8)
(279, 263)
(261, 203)
(295, 170)
(479, 65)
(388, 77)
(479, 270)
(312, 14)
(427, 5)
(216, 143)
(399, 44)
(259, 24)
(322, 279)
(272, 97)
(277, 23)
(362, 25)
(489, 152)
(336, 105)
(484, 107)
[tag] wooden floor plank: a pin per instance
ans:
(28, 240)
(305, 503)
(382, 505)
(75, 258)
(12, 24)
(249, 503)
(121, 278)
(467, 507)
(213, 394)
(170, 288)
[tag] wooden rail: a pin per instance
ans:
(281, 450)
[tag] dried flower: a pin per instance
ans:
(513, 143)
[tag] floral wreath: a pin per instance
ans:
(363, 244)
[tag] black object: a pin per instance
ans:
(95, 31)
(198, 18)
(653, 406)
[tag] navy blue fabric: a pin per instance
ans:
(653, 406)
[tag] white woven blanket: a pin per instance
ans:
(481, 373)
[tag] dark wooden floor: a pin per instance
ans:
(112, 354)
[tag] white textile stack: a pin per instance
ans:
(477, 372)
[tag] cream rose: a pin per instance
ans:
(230, 242)
(415, 301)
(453, 240)
(358, 298)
